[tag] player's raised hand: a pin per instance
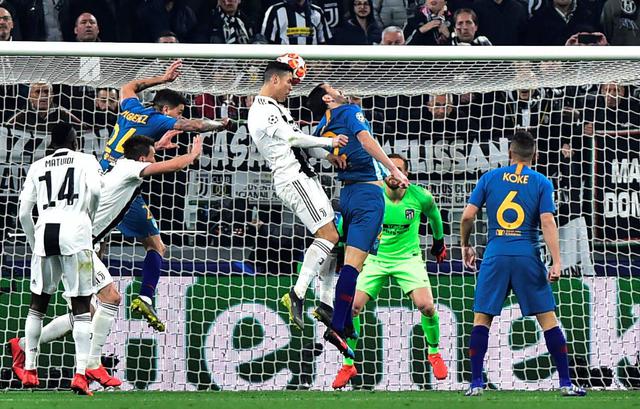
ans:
(469, 257)
(196, 147)
(173, 71)
(554, 273)
(339, 141)
(166, 142)
(339, 161)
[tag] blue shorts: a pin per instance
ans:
(525, 275)
(138, 222)
(362, 208)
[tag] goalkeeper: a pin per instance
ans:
(400, 256)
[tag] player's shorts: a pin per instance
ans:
(306, 198)
(76, 272)
(102, 277)
(138, 222)
(362, 208)
(525, 275)
(409, 273)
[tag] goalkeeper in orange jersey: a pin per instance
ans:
(400, 256)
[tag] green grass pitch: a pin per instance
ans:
(313, 400)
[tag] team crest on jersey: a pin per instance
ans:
(360, 117)
(409, 214)
(628, 6)
(272, 119)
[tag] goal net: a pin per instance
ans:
(233, 250)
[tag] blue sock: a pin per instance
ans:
(557, 346)
(477, 350)
(150, 273)
(345, 290)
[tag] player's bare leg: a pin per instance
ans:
(557, 346)
(478, 343)
(423, 300)
(143, 303)
(348, 370)
(316, 255)
(101, 323)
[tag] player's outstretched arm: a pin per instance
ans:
(466, 227)
(375, 150)
(302, 140)
(551, 238)
(130, 89)
(177, 163)
(200, 125)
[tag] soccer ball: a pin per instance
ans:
(296, 63)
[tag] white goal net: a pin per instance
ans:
(233, 250)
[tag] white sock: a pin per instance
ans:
(57, 328)
(327, 279)
(82, 338)
(315, 255)
(146, 299)
(100, 328)
(32, 330)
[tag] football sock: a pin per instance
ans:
(100, 328)
(82, 338)
(314, 257)
(352, 342)
(32, 330)
(557, 346)
(477, 349)
(326, 280)
(431, 328)
(150, 273)
(345, 290)
(55, 329)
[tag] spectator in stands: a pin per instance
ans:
(157, 16)
(391, 12)
(614, 110)
(441, 120)
(229, 25)
(167, 37)
(621, 22)
(465, 22)
(554, 23)
(45, 20)
(335, 11)
(14, 12)
(86, 28)
(392, 35)
(113, 15)
(307, 24)
(594, 38)
(503, 21)
(430, 25)
(361, 28)
(106, 108)
(6, 25)
(41, 110)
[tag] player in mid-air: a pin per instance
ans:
(281, 144)
(120, 186)
(400, 256)
(154, 122)
(65, 187)
(518, 201)
(361, 197)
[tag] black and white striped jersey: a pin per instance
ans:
(284, 24)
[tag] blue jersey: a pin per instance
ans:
(134, 119)
(349, 120)
(515, 196)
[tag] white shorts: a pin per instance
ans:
(76, 272)
(101, 274)
(306, 198)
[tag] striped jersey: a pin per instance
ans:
(284, 24)
(266, 117)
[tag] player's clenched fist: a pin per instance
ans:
(340, 141)
(439, 250)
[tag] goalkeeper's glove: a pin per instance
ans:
(439, 250)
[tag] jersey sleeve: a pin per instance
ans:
(131, 104)
(29, 193)
(547, 205)
(159, 124)
(432, 212)
(479, 194)
(132, 170)
(356, 121)
(321, 124)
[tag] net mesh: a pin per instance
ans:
(233, 250)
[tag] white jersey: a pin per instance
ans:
(65, 186)
(266, 116)
(120, 186)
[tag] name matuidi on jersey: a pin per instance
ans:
(58, 161)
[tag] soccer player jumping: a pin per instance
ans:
(518, 200)
(400, 256)
(361, 196)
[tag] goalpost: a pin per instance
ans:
(233, 250)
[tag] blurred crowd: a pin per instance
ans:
(355, 22)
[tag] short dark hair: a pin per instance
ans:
(62, 136)
(314, 101)
(168, 97)
(275, 67)
(137, 146)
(473, 14)
(523, 145)
(402, 158)
(166, 33)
